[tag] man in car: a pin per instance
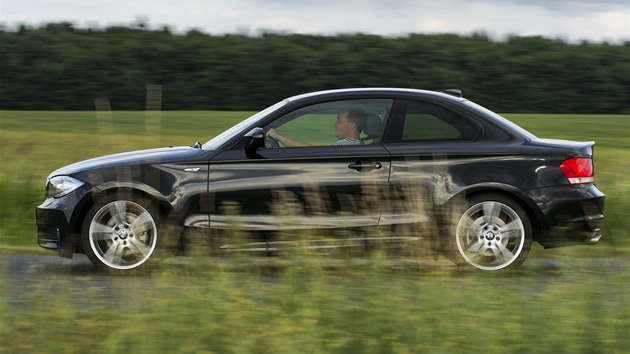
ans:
(348, 127)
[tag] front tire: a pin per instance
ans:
(493, 233)
(120, 234)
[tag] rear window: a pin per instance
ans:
(421, 121)
(524, 133)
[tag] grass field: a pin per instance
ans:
(211, 308)
(299, 305)
(33, 144)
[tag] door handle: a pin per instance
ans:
(365, 166)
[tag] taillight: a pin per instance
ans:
(578, 170)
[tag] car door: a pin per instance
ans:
(306, 187)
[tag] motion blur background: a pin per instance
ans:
(81, 79)
(562, 56)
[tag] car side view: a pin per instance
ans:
(479, 188)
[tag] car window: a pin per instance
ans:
(421, 121)
(524, 133)
(315, 125)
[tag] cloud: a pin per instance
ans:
(615, 26)
(573, 19)
(567, 5)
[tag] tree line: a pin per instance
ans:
(59, 67)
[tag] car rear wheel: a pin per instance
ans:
(120, 233)
(493, 233)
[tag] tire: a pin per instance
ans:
(121, 233)
(493, 233)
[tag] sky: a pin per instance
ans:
(569, 20)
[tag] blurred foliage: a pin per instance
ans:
(57, 67)
(574, 300)
(312, 306)
(33, 144)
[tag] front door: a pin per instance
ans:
(318, 174)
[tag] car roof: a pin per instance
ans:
(376, 90)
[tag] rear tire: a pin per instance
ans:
(121, 233)
(493, 233)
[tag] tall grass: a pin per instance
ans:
(315, 307)
(33, 144)
(309, 301)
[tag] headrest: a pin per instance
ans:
(373, 126)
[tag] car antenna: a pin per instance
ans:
(453, 92)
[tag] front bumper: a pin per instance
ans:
(56, 222)
(52, 231)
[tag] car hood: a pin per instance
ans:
(140, 157)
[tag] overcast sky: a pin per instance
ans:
(572, 20)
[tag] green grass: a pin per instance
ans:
(193, 124)
(304, 302)
(33, 144)
(304, 307)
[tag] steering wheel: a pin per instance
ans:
(273, 142)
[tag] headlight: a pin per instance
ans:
(59, 186)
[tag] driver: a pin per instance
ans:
(348, 126)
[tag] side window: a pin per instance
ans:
(337, 123)
(421, 121)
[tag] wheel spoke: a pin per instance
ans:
(139, 224)
(468, 223)
(501, 253)
(118, 210)
(476, 249)
(140, 247)
(114, 253)
(101, 232)
(514, 225)
(491, 211)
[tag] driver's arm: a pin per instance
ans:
(286, 141)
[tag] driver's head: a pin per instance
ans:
(349, 123)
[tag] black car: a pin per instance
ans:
(420, 165)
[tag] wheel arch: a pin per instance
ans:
(105, 191)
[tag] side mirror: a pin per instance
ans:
(254, 140)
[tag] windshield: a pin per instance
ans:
(229, 134)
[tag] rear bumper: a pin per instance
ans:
(568, 215)
(590, 226)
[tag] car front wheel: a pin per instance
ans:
(493, 233)
(120, 234)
